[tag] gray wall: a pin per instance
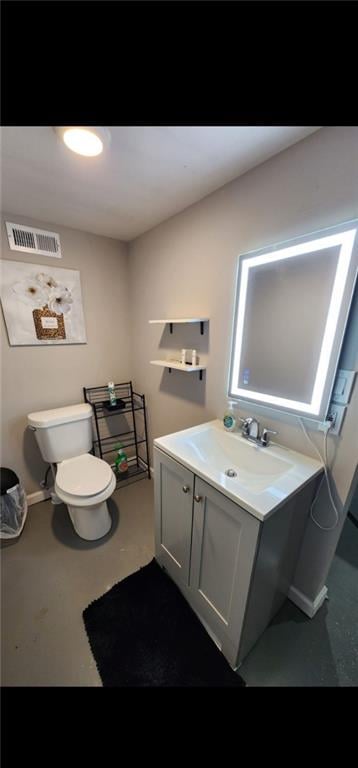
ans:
(39, 377)
(186, 267)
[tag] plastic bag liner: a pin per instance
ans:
(13, 512)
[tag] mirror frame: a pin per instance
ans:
(345, 235)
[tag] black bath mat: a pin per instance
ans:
(143, 633)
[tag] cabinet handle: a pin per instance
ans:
(197, 498)
(186, 488)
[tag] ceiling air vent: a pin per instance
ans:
(33, 240)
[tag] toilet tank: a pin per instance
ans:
(63, 433)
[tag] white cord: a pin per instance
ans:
(325, 463)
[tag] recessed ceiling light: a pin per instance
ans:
(88, 141)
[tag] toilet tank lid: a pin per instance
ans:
(55, 416)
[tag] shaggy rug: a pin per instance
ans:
(143, 633)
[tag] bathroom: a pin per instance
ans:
(155, 227)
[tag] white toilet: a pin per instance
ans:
(83, 481)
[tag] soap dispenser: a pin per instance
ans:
(230, 417)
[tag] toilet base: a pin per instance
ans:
(90, 523)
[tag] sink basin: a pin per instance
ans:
(260, 479)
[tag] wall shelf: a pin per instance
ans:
(180, 366)
(174, 320)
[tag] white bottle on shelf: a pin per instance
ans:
(112, 394)
(193, 356)
(182, 359)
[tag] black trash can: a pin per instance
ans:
(13, 504)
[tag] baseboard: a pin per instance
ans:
(309, 607)
(34, 498)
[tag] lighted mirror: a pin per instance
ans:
(292, 305)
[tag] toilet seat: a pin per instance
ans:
(83, 476)
(87, 502)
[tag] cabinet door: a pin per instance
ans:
(222, 559)
(174, 486)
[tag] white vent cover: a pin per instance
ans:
(33, 240)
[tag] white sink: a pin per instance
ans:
(265, 477)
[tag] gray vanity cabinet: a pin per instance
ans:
(207, 544)
(224, 540)
(174, 487)
(234, 570)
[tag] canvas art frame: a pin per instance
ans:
(42, 304)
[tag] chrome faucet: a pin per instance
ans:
(251, 430)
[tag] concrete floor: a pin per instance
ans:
(323, 651)
(49, 575)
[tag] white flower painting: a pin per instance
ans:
(42, 305)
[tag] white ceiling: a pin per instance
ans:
(145, 176)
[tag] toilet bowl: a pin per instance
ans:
(84, 483)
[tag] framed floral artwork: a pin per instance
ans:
(42, 305)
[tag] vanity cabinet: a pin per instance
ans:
(223, 546)
(174, 489)
(234, 570)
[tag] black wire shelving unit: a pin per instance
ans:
(130, 429)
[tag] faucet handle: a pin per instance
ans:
(265, 432)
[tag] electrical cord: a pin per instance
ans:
(324, 461)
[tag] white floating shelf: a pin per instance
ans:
(172, 320)
(181, 320)
(179, 366)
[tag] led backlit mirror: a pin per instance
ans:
(292, 305)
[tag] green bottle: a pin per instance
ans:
(230, 418)
(121, 461)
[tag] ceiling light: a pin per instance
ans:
(88, 141)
